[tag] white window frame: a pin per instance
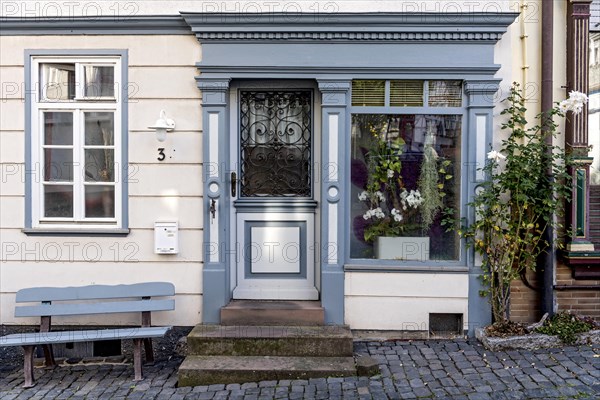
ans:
(78, 106)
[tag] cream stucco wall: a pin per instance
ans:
(403, 301)
(161, 76)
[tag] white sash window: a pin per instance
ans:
(76, 142)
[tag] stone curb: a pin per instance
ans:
(533, 341)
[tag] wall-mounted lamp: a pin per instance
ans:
(162, 126)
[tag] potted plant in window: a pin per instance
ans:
(392, 215)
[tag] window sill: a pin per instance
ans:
(74, 232)
(406, 268)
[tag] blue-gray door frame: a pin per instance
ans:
(344, 47)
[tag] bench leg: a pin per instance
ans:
(137, 359)
(28, 367)
(49, 355)
(148, 351)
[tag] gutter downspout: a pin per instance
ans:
(545, 261)
(524, 36)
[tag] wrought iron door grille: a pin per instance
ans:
(275, 143)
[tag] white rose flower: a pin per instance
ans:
(495, 155)
(390, 173)
(363, 195)
(574, 103)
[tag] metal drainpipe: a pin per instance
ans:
(545, 262)
(524, 36)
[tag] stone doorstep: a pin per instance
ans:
(252, 312)
(310, 341)
(532, 341)
(207, 370)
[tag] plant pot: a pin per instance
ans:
(412, 248)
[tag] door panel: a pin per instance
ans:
(275, 212)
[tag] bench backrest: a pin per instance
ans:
(84, 299)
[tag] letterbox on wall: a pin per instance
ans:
(166, 237)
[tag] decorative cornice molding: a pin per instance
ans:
(212, 84)
(346, 36)
(349, 27)
(334, 85)
(484, 87)
(142, 25)
(295, 27)
(261, 71)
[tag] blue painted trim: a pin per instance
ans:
(125, 138)
(341, 27)
(123, 229)
(216, 290)
(335, 101)
(446, 269)
(235, 71)
(480, 101)
(98, 25)
(75, 232)
(28, 140)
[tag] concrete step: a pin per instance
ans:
(208, 370)
(253, 312)
(315, 341)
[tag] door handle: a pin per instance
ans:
(233, 184)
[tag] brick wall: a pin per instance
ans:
(583, 302)
(525, 302)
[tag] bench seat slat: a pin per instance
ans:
(92, 292)
(94, 308)
(35, 338)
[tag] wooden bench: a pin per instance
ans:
(89, 300)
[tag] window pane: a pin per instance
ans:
(99, 165)
(57, 81)
(405, 169)
(99, 201)
(275, 144)
(99, 129)
(99, 81)
(58, 165)
(368, 93)
(58, 128)
(406, 93)
(445, 93)
(58, 201)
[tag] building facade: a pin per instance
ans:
(258, 190)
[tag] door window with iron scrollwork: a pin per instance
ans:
(275, 143)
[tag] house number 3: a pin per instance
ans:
(161, 154)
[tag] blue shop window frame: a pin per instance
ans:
(367, 264)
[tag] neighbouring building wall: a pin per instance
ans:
(161, 76)
(582, 302)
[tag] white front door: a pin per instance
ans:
(273, 196)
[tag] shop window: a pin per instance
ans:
(406, 173)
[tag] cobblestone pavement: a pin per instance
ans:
(454, 369)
